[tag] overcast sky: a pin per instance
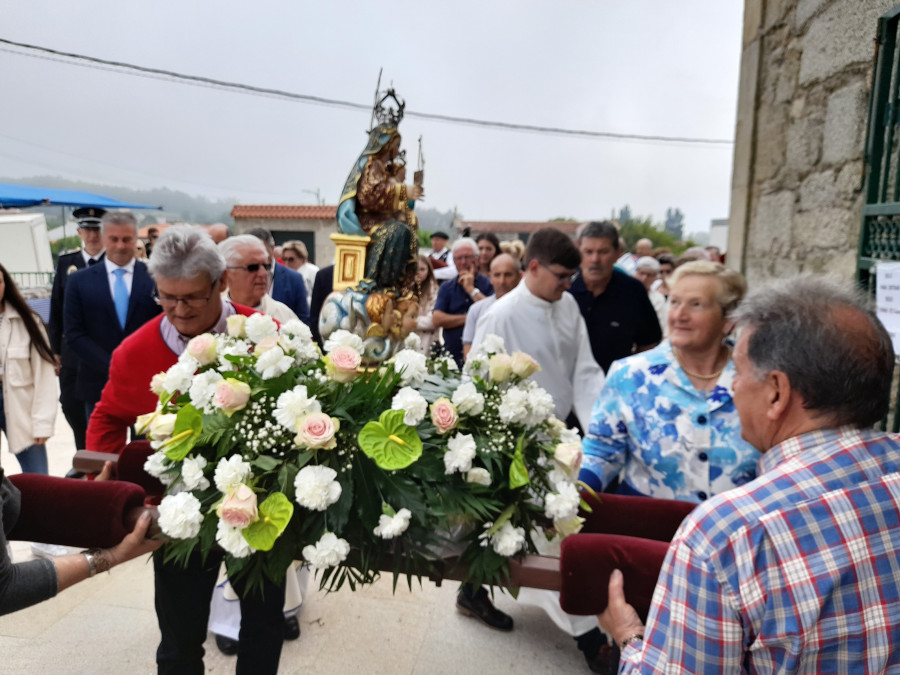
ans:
(651, 67)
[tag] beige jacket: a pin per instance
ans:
(30, 389)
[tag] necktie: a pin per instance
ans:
(120, 297)
(92, 262)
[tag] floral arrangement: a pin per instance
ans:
(274, 452)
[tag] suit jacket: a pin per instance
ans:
(92, 327)
(68, 264)
(288, 287)
(322, 287)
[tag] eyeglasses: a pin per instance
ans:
(170, 301)
(561, 277)
(290, 259)
(253, 268)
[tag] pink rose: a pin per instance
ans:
(500, 367)
(203, 348)
(317, 431)
(444, 415)
(342, 363)
(568, 456)
(523, 364)
(265, 345)
(239, 507)
(231, 395)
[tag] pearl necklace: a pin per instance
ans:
(711, 376)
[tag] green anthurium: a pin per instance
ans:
(188, 426)
(518, 472)
(390, 442)
(274, 515)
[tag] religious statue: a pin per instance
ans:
(377, 299)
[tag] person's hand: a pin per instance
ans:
(106, 473)
(135, 542)
(619, 619)
(415, 192)
(57, 364)
(41, 440)
(467, 281)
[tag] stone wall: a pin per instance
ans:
(320, 229)
(806, 72)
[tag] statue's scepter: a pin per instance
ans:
(419, 175)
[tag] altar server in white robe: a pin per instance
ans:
(539, 318)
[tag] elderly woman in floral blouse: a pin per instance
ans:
(666, 418)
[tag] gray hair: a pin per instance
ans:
(825, 337)
(602, 229)
(647, 262)
(232, 247)
(733, 285)
(184, 252)
(118, 218)
(466, 242)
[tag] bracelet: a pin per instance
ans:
(631, 638)
(97, 560)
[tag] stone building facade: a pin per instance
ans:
(806, 74)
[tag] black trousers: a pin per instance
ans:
(72, 406)
(182, 610)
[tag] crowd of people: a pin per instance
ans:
(757, 407)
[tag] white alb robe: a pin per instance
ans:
(554, 334)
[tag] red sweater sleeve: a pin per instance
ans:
(127, 392)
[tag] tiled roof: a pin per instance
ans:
(497, 226)
(284, 211)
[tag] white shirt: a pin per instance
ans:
(308, 271)
(472, 317)
(271, 307)
(128, 277)
(87, 257)
(444, 273)
(555, 335)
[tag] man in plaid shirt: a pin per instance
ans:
(799, 570)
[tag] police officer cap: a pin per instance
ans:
(442, 235)
(88, 216)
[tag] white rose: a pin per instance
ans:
(460, 453)
(260, 326)
(192, 473)
(158, 384)
(467, 399)
(413, 403)
(179, 516)
(316, 487)
(162, 426)
(566, 526)
(479, 476)
(230, 472)
(235, 325)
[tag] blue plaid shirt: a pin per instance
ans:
(795, 572)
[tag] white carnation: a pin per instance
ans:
(273, 362)
(412, 341)
(540, 405)
(316, 487)
(296, 329)
(513, 408)
(344, 338)
(493, 344)
(389, 527)
(562, 504)
(467, 399)
(460, 453)
(202, 390)
(158, 465)
(178, 378)
(327, 552)
(509, 540)
(570, 436)
(294, 405)
(412, 366)
(232, 540)
(192, 473)
(260, 326)
(231, 472)
(179, 516)
(557, 476)
(413, 403)
(445, 360)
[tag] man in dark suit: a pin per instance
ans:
(287, 285)
(105, 303)
(322, 287)
(90, 253)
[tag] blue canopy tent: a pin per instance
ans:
(23, 196)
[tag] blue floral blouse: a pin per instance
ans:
(673, 441)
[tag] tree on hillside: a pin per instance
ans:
(675, 223)
(625, 214)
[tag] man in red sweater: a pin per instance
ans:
(190, 276)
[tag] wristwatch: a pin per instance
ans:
(476, 292)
